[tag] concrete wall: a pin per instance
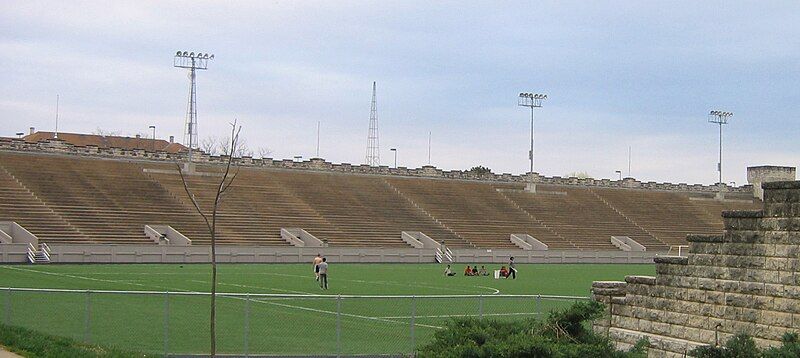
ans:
(744, 281)
(316, 164)
(766, 174)
(74, 253)
(15, 233)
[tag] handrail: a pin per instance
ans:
(287, 295)
(45, 250)
(31, 253)
(679, 247)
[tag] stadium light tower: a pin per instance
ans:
(532, 100)
(192, 61)
(721, 118)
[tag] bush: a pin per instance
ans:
(743, 346)
(563, 333)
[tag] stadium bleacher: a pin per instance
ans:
(72, 199)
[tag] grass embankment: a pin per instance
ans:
(29, 343)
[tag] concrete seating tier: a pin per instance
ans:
(20, 205)
(71, 199)
(581, 217)
(669, 217)
(363, 208)
(476, 212)
(105, 200)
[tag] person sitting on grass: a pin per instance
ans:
(448, 271)
(503, 272)
(468, 271)
(482, 271)
(475, 270)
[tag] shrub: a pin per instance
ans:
(743, 346)
(563, 333)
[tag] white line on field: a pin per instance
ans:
(380, 282)
(257, 287)
(382, 319)
(73, 276)
(496, 291)
(463, 315)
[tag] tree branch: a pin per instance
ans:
(191, 196)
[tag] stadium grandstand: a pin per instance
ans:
(78, 189)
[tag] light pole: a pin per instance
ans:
(154, 137)
(395, 156)
(620, 173)
(721, 118)
(532, 100)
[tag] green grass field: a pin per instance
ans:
(301, 325)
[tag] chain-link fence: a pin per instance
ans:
(173, 323)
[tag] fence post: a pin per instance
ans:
(166, 324)
(480, 307)
(87, 319)
(537, 304)
(413, 318)
(338, 325)
(8, 307)
(247, 326)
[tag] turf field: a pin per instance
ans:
(297, 317)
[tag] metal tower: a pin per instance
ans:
(192, 61)
(373, 148)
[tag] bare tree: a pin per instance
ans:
(222, 146)
(264, 152)
(211, 222)
(579, 175)
(243, 150)
(102, 132)
(209, 145)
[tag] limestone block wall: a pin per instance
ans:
(744, 280)
(765, 174)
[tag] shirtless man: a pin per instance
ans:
(316, 262)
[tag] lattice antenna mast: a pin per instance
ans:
(192, 61)
(373, 147)
(721, 118)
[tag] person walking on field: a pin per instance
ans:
(316, 262)
(323, 274)
(512, 269)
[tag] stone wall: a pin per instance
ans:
(766, 174)
(745, 280)
(318, 164)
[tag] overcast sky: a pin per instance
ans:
(618, 74)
